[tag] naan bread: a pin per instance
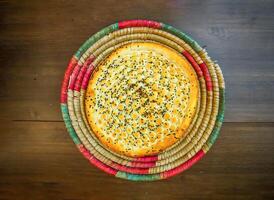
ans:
(141, 99)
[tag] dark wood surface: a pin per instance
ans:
(37, 157)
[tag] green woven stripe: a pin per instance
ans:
(95, 38)
(136, 177)
(183, 36)
(72, 133)
(222, 104)
(220, 118)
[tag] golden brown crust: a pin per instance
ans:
(141, 99)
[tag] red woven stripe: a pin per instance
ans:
(193, 63)
(107, 168)
(86, 77)
(139, 23)
(143, 165)
(96, 162)
(184, 166)
(79, 79)
(73, 76)
(207, 76)
(129, 169)
(69, 69)
(146, 159)
(89, 60)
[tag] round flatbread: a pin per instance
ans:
(141, 99)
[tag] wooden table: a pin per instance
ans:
(38, 160)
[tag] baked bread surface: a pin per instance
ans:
(141, 99)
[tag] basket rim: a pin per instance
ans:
(64, 93)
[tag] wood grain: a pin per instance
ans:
(38, 39)
(39, 161)
(37, 157)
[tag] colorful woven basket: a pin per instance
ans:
(202, 132)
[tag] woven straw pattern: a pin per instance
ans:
(203, 130)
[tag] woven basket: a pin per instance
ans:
(202, 132)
